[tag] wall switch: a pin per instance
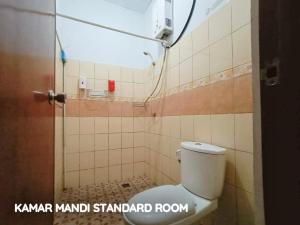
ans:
(82, 82)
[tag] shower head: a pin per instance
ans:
(149, 54)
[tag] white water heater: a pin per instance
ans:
(163, 18)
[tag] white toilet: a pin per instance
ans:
(202, 179)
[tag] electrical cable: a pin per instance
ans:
(167, 47)
(186, 24)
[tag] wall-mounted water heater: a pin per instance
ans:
(163, 18)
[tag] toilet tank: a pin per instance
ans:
(202, 169)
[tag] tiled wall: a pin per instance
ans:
(129, 82)
(104, 136)
(207, 96)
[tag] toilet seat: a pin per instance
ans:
(197, 206)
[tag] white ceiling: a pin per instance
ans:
(135, 5)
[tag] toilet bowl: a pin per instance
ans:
(202, 179)
(197, 207)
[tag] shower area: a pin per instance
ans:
(137, 85)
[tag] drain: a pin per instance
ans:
(125, 185)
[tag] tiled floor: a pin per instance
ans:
(101, 193)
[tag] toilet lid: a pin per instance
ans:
(169, 194)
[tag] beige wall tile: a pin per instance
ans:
(72, 143)
(72, 179)
(114, 173)
(127, 124)
(227, 206)
(156, 125)
(100, 85)
(118, 89)
(139, 154)
(101, 142)
(139, 91)
(173, 56)
(147, 155)
(244, 132)
(115, 124)
(230, 167)
(221, 55)
(202, 128)
(175, 144)
(87, 142)
(127, 171)
(87, 177)
(127, 140)
(127, 155)
(90, 84)
(139, 169)
(147, 140)
(223, 130)
(101, 71)
(241, 40)
(139, 139)
(72, 68)
(154, 142)
(101, 124)
(244, 171)
(114, 73)
(175, 126)
(72, 125)
(139, 76)
(87, 160)
(87, 125)
(139, 124)
(159, 162)
(72, 162)
(115, 141)
(187, 128)
(126, 90)
(148, 169)
(186, 71)
(101, 175)
(87, 69)
(201, 64)
(200, 37)
(173, 77)
(164, 147)
(220, 24)
(166, 165)
(186, 47)
(126, 74)
(114, 157)
(101, 158)
(153, 157)
(241, 13)
(175, 171)
(71, 86)
(245, 207)
(165, 126)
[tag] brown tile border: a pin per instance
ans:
(222, 97)
(225, 96)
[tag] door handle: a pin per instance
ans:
(60, 97)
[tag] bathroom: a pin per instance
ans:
(108, 104)
(201, 90)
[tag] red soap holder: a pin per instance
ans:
(111, 85)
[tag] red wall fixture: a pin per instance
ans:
(111, 85)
